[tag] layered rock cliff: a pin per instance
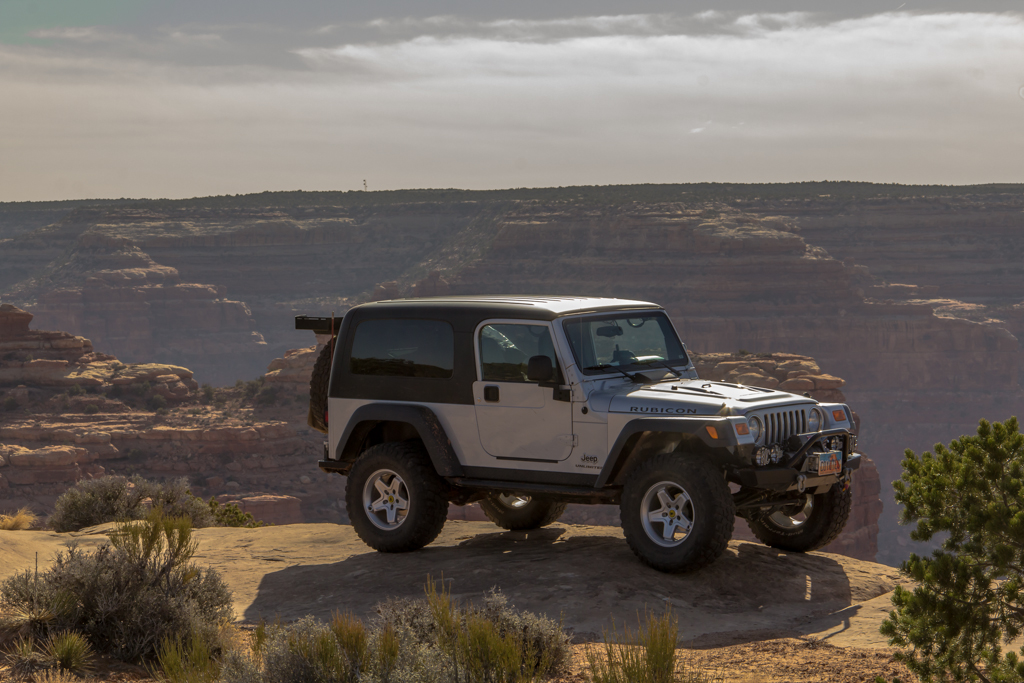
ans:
(71, 413)
(106, 288)
(913, 295)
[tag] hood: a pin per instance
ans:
(697, 397)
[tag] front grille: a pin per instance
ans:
(781, 424)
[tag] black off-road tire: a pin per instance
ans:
(428, 507)
(712, 509)
(532, 515)
(318, 382)
(828, 516)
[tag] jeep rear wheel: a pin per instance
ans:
(521, 513)
(677, 512)
(810, 525)
(394, 498)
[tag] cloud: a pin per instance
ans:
(445, 101)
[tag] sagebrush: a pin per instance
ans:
(126, 597)
(116, 499)
(430, 640)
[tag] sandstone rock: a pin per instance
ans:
(826, 381)
(272, 509)
(797, 385)
(13, 321)
(50, 456)
(756, 380)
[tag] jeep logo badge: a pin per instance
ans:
(588, 458)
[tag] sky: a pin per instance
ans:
(137, 98)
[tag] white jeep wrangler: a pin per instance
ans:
(528, 403)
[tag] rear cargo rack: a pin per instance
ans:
(317, 324)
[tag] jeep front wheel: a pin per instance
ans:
(677, 512)
(811, 524)
(521, 513)
(394, 498)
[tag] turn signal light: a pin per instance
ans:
(742, 429)
(712, 431)
(839, 415)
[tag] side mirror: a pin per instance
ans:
(539, 369)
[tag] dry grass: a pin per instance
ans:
(19, 521)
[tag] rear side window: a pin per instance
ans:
(403, 348)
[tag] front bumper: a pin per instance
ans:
(795, 474)
(787, 478)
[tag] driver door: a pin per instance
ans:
(517, 418)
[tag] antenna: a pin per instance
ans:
(364, 185)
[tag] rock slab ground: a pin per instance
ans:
(585, 576)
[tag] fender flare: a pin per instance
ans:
(618, 457)
(422, 419)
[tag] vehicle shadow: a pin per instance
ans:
(584, 580)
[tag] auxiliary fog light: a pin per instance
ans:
(768, 455)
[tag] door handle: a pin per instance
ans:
(491, 394)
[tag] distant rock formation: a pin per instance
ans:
(111, 291)
(70, 413)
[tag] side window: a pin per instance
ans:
(506, 349)
(403, 348)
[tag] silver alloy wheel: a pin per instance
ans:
(513, 501)
(386, 499)
(786, 521)
(667, 514)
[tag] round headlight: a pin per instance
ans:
(756, 428)
(814, 420)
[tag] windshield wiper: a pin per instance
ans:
(661, 363)
(605, 366)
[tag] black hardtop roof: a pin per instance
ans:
(481, 307)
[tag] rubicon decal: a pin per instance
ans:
(662, 411)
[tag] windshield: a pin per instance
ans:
(629, 341)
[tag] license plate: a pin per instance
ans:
(830, 463)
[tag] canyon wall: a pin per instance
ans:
(916, 297)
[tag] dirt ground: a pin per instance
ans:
(756, 615)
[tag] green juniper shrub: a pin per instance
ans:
(156, 402)
(116, 391)
(11, 404)
(208, 394)
(91, 409)
(968, 598)
(141, 389)
(266, 396)
(76, 390)
(231, 515)
(128, 596)
(251, 388)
